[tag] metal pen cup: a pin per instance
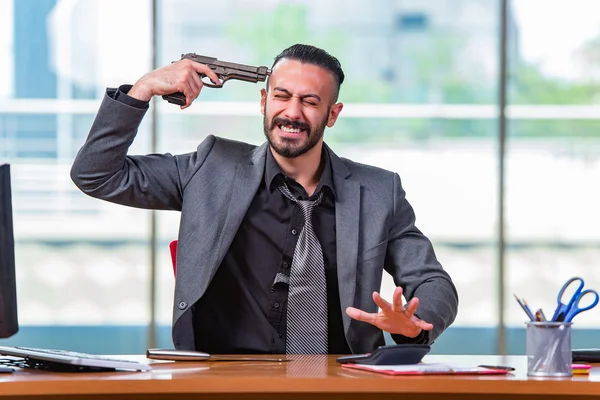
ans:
(549, 349)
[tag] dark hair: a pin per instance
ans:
(308, 54)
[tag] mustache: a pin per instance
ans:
(293, 124)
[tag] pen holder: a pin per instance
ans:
(549, 349)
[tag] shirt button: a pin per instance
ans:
(276, 305)
(280, 335)
(285, 265)
(182, 305)
(294, 231)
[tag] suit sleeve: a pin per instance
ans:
(102, 168)
(411, 260)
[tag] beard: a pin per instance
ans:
(293, 147)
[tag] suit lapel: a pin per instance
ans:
(347, 212)
(245, 184)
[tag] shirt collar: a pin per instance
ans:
(272, 172)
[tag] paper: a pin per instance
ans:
(426, 369)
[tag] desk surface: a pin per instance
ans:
(314, 377)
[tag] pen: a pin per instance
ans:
(525, 308)
(501, 367)
(528, 310)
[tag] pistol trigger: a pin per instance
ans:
(210, 83)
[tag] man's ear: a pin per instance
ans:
(263, 100)
(334, 112)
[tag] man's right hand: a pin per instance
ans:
(181, 76)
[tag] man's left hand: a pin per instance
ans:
(393, 317)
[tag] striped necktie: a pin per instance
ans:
(306, 331)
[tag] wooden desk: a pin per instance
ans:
(311, 377)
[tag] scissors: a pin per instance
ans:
(566, 312)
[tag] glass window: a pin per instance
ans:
(552, 157)
(81, 263)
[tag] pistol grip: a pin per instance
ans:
(175, 98)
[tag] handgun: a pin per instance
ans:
(224, 70)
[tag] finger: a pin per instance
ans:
(411, 306)
(193, 86)
(382, 303)
(196, 85)
(361, 315)
(205, 69)
(190, 94)
(198, 82)
(397, 299)
(182, 85)
(426, 326)
(188, 100)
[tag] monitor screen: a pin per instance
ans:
(8, 291)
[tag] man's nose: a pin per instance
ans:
(293, 110)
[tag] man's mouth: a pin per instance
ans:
(291, 128)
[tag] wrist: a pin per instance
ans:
(140, 92)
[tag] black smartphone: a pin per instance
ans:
(396, 354)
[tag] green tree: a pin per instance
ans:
(528, 85)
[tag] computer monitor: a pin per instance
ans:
(8, 289)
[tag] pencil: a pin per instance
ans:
(526, 309)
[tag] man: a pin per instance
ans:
(281, 247)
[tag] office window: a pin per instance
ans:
(82, 263)
(552, 157)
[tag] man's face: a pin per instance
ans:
(298, 107)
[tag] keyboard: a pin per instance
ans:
(64, 360)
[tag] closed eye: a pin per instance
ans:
(311, 99)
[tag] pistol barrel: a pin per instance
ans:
(225, 71)
(224, 67)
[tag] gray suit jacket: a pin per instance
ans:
(213, 188)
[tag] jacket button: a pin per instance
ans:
(182, 305)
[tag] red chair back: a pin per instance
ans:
(173, 249)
